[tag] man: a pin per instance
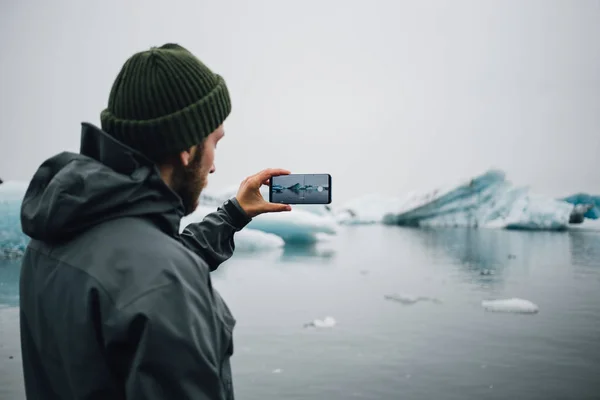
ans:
(115, 303)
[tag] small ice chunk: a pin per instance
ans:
(408, 299)
(327, 322)
(513, 305)
(277, 371)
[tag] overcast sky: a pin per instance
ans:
(386, 96)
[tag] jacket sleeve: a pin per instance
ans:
(170, 345)
(212, 238)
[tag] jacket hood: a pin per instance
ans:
(72, 192)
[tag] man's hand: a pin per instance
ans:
(250, 198)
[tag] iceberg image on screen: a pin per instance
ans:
(301, 189)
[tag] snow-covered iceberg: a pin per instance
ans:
(488, 200)
(304, 224)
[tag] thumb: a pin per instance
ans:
(274, 207)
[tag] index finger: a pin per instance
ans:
(269, 173)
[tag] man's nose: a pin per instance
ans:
(213, 169)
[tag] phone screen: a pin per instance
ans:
(300, 189)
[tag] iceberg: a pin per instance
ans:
(248, 240)
(586, 206)
(305, 224)
(487, 201)
(296, 226)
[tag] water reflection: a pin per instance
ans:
(585, 248)
(296, 252)
(258, 262)
(485, 256)
(585, 255)
(475, 249)
(315, 252)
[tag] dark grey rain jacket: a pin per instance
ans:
(115, 303)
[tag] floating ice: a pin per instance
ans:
(484, 201)
(513, 305)
(295, 226)
(327, 322)
(587, 206)
(255, 240)
(304, 224)
(408, 299)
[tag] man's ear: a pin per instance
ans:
(186, 156)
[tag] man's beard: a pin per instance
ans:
(188, 182)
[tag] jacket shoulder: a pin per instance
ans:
(129, 257)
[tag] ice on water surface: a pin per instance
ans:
(410, 299)
(514, 305)
(327, 322)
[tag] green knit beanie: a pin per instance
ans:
(165, 101)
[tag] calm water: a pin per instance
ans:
(385, 350)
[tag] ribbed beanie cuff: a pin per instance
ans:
(199, 102)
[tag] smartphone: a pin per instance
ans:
(300, 189)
